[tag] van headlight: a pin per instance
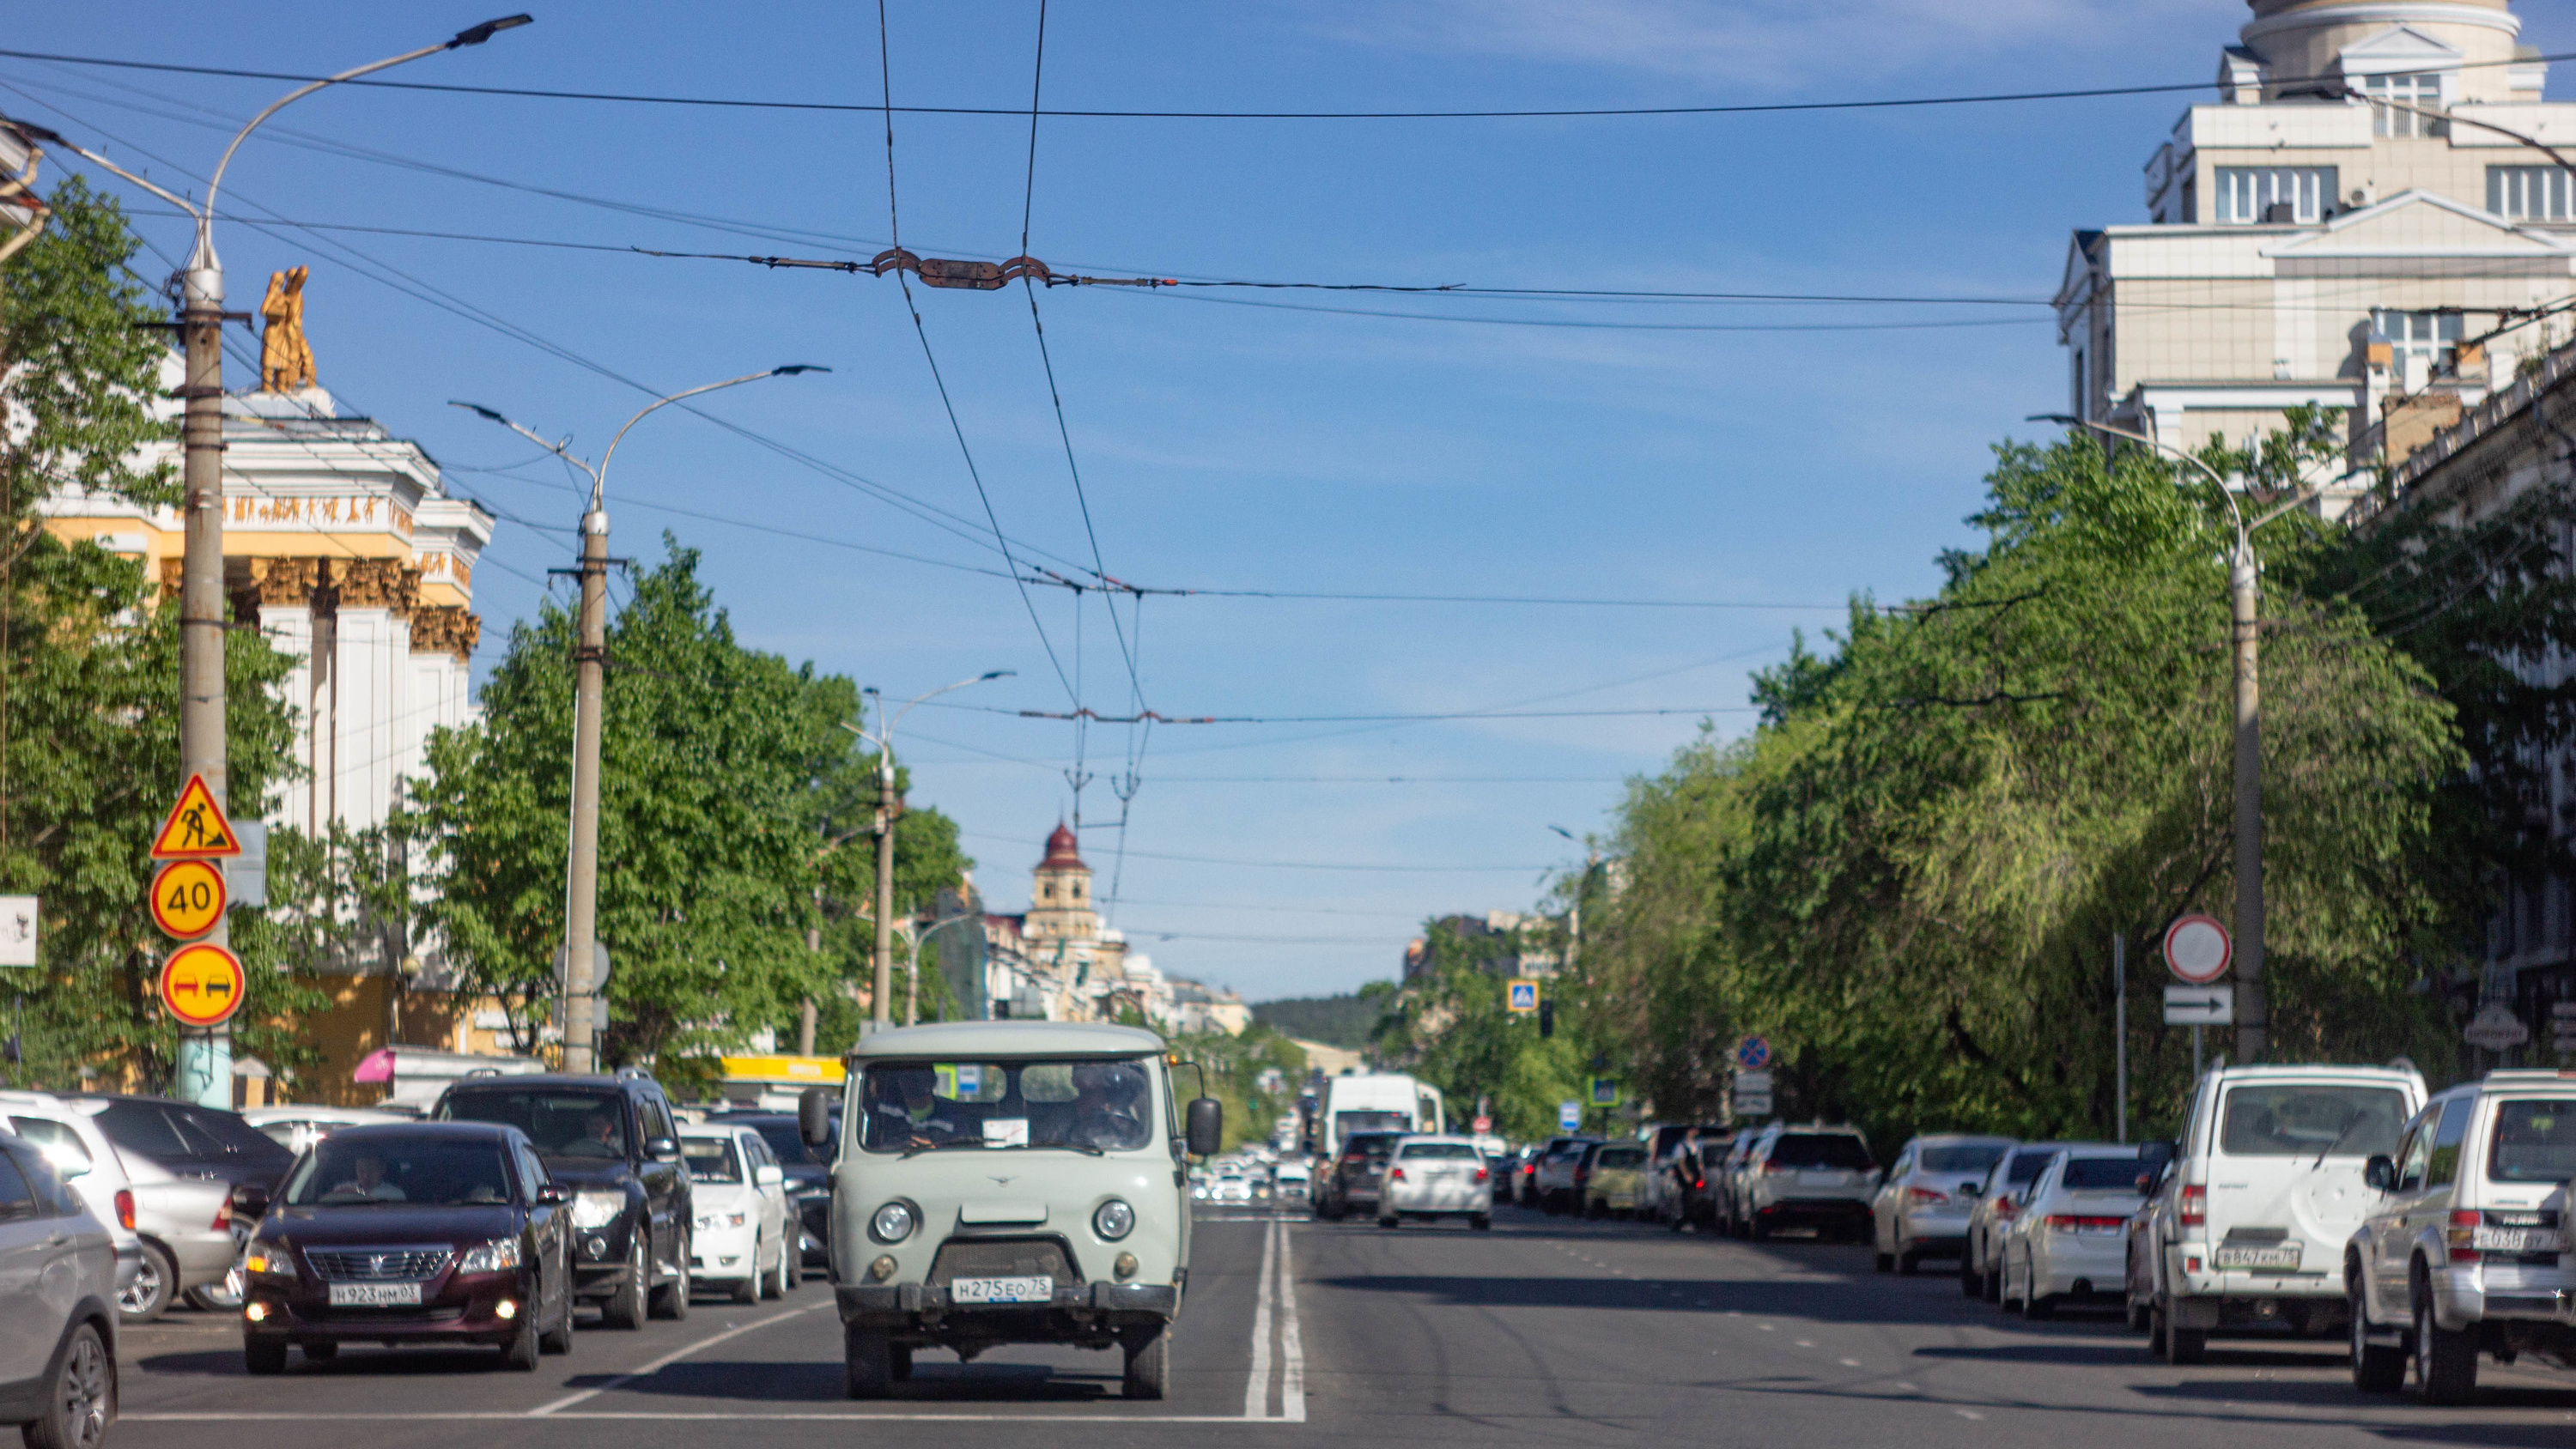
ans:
(498, 1256)
(893, 1223)
(1113, 1220)
(596, 1208)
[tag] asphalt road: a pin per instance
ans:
(1542, 1331)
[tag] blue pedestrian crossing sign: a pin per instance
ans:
(1753, 1053)
(1569, 1116)
(1521, 995)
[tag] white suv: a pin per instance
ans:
(1816, 1176)
(2245, 1230)
(2466, 1244)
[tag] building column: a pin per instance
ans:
(369, 695)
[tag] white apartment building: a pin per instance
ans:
(2308, 245)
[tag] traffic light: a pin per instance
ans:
(1546, 1019)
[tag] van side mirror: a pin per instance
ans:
(2380, 1173)
(1206, 1123)
(814, 1118)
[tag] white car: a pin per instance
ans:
(2071, 1238)
(1816, 1176)
(297, 1127)
(1436, 1177)
(88, 1162)
(1923, 1207)
(1231, 1187)
(740, 1195)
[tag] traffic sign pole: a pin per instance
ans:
(197, 830)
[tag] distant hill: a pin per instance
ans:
(1342, 1021)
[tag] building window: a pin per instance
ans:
(2429, 335)
(2250, 194)
(2414, 90)
(2531, 193)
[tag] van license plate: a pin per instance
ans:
(2283, 1256)
(375, 1295)
(1001, 1290)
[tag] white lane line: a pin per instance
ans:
(659, 1364)
(1256, 1389)
(1292, 1348)
(1851, 1363)
(754, 1416)
(1967, 1413)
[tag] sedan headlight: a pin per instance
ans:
(269, 1262)
(893, 1223)
(1113, 1220)
(714, 1221)
(597, 1208)
(498, 1256)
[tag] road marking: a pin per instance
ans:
(1909, 1388)
(1851, 1363)
(1256, 1390)
(1967, 1413)
(760, 1417)
(650, 1369)
(1806, 1343)
(1766, 1328)
(1292, 1348)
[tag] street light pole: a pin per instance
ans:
(1574, 917)
(205, 1062)
(581, 866)
(881, 988)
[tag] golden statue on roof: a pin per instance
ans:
(285, 358)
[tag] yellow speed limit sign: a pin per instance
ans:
(202, 985)
(188, 898)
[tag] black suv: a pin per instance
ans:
(809, 1174)
(1352, 1186)
(613, 1144)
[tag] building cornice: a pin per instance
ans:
(2389, 12)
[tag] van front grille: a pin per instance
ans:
(1003, 1258)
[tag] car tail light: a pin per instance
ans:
(1698, 1182)
(1483, 1176)
(1925, 1196)
(2195, 1207)
(2004, 1205)
(2064, 1223)
(224, 1218)
(1395, 1175)
(125, 1209)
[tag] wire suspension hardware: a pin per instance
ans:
(933, 271)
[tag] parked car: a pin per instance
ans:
(2247, 1231)
(1293, 1183)
(414, 1233)
(809, 1178)
(82, 1156)
(1998, 1202)
(184, 1161)
(1922, 1208)
(612, 1143)
(1665, 1188)
(1436, 1177)
(2466, 1247)
(2071, 1238)
(297, 1127)
(744, 1237)
(1812, 1177)
(1555, 1183)
(58, 1285)
(1614, 1182)
(1351, 1184)
(1704, 1197)
(1525, 1173)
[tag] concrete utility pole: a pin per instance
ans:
(1574, 916)
(881, 991)
(205, 1061)
(590, 698)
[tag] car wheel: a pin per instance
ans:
(521, 1352)
(868, 1357)
(2184, 1345)
(82, 1398)
(1387, 1220)
(2035, 1304)
(1907, 1265)
(1992, 1281)
(322, 1351)
(625, 1306)
(1149, 1366)
(1884, 1262)
(1972, 1284)
(2446, 1363)
(791, 1271)
(264, 1355)
(214, 1298)
(149, 1295)
(2155, 1331)
(749, 1290)
(2376, 1368)
(2004, 1297)
(671, 1300)
(1756, 1231)
(1482, 1222)
(558, 1339)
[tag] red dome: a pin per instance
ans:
(1062, 850)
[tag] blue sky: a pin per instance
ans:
(1222, 445)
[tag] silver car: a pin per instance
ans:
(57, 1306)
(1922, 1209)
(1981, 1264)
(83, 1157)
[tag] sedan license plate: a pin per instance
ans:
(375, 1295)
(2270, 1255)
(1001, 1290)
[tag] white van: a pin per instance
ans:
(2245, 1228)
(1372, 1102)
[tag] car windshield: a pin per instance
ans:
(711, 1159)
(2304, 1120)
(1373, 1148)
(418, 1172)
(2100, 1174)
(2026, 1166)
(1097, 1106)
(1821, 1150)
(2535, 1141)
(1971, 1157)
(1457, 1151)
(560, 1123)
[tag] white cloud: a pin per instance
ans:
(1778, 45)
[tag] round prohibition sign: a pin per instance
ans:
(188, 898)
(202, 985)
(2198, 949)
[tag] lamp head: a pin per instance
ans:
(996, 674)
(2066, 419)
(478, 410)
(477, 34)
(793, 368)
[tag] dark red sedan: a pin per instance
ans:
(412, 1233)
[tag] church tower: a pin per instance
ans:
(1060, 896)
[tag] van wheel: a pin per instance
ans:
(2155, 1331)
(868, 1355)
(2376, 1368)
(2446, 1363)
(1149, 1366)
(625, 1305)
(2184, 1345)
(148, 1297)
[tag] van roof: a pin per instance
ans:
(971, 1039)
(2315, 1069)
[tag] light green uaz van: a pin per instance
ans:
(1009, 1182)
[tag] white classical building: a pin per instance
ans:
(2309, 244)
(1056, 960)
(341, 546)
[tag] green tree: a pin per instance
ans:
(1452, 1026)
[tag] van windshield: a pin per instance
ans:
(1094, 1106)
(1347, 1123)
(2534, 1141)
(2311, 1120)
